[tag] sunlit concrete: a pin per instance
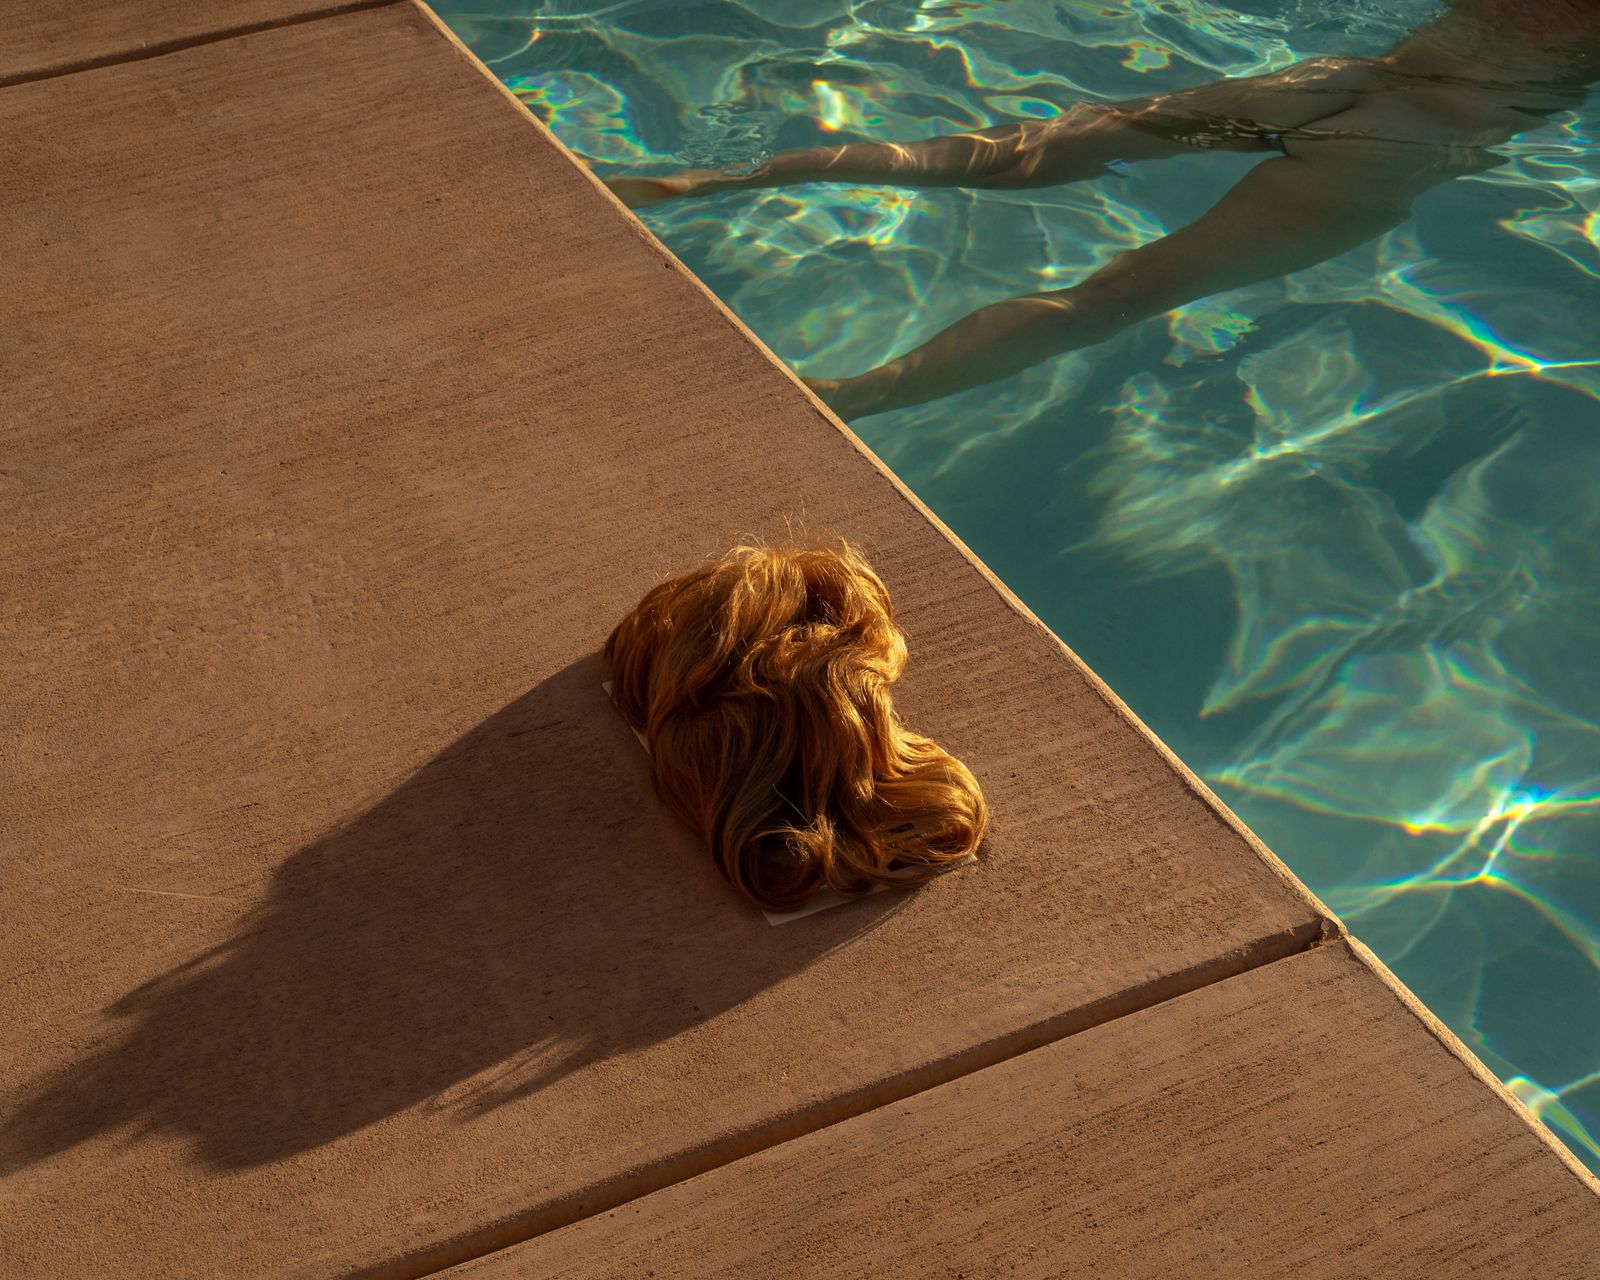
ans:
(55, 37)
(1299, 1119)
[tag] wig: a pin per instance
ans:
(760, 683)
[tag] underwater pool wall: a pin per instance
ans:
(346, 414)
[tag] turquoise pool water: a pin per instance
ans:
(1334, 536)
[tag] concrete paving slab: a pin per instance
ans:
(345, 415)
(58, 37)
(1296, 1120)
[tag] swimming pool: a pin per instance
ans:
(1333, 536)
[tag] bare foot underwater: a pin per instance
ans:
(1353, 142)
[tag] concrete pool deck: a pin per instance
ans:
(347, 413)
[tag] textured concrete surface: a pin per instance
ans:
(1296, 1120)
(56, 37)
(344, 416)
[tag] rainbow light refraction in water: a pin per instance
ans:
(1334, 536)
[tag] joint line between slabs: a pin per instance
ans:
(177, 45)
(634, 1185)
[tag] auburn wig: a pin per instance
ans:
(760, 683)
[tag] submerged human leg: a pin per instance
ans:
(1238, 115)
(973, 159)
(1285, 214)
